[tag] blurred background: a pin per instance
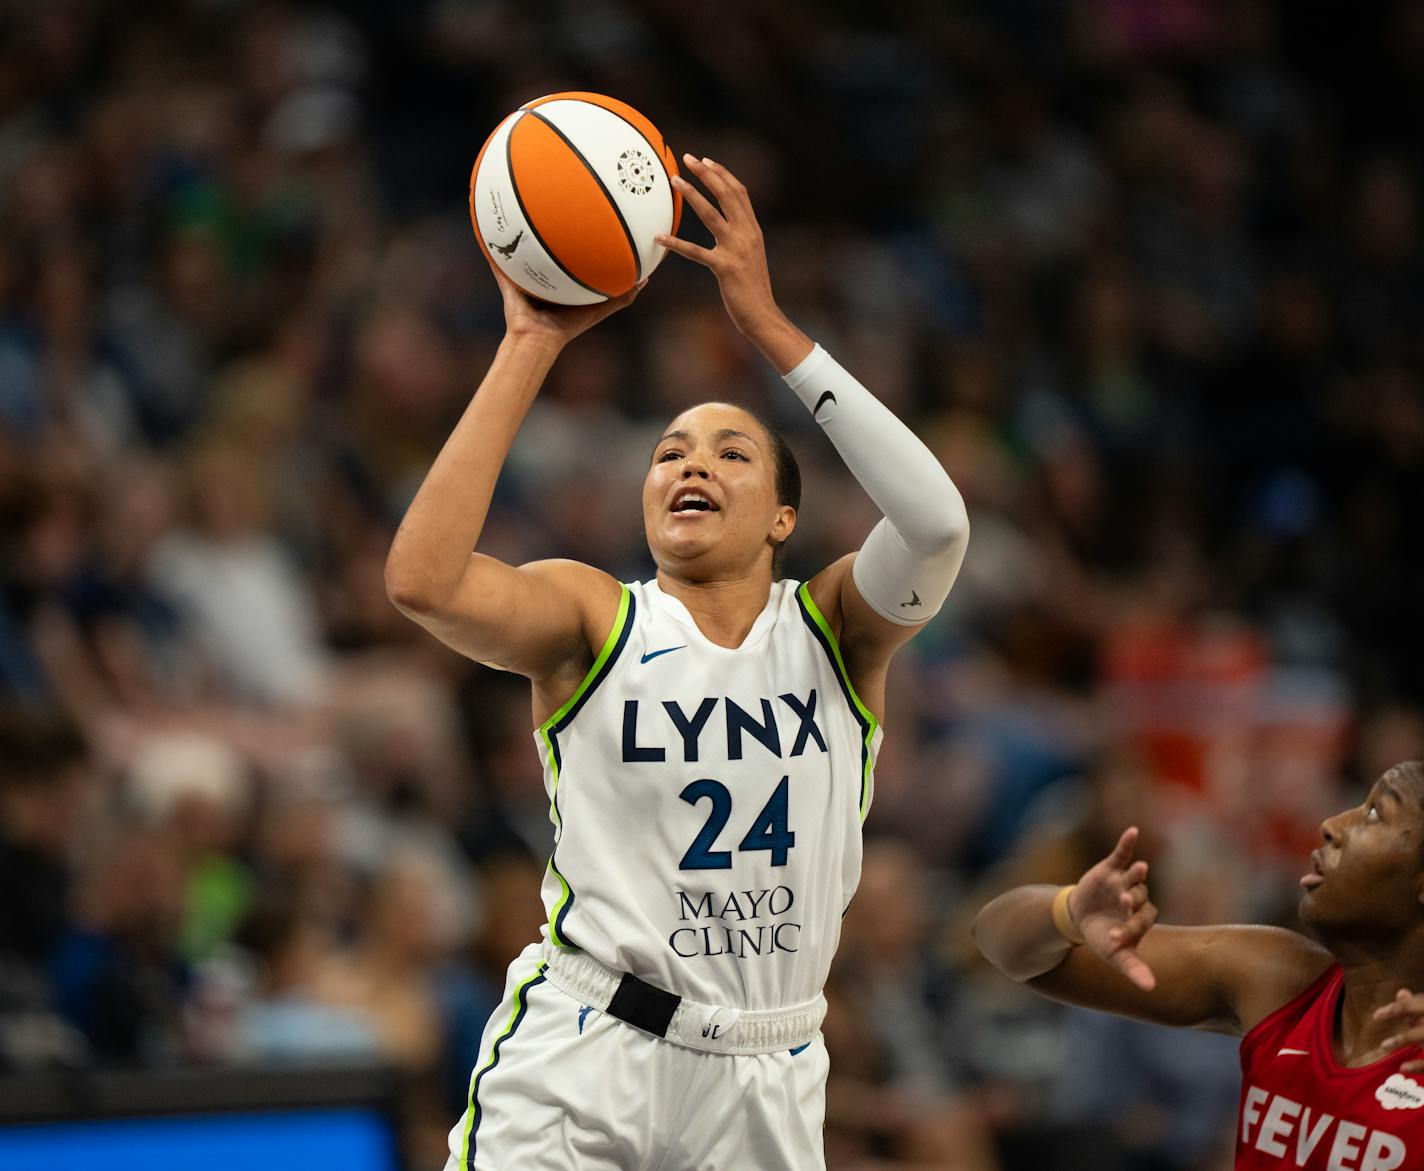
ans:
(1147, 275)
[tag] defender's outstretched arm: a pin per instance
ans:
(1224, 978)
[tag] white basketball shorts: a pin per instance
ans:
(564, 1087)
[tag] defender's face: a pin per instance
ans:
(709, 499)
(1366, 881)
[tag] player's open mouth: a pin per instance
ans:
(687, 502)
(1316, 875)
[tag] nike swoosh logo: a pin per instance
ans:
(1290, 1052)
(665, 651)
(820, 402)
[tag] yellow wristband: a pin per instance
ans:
(1063, 917)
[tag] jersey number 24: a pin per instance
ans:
(768, 831)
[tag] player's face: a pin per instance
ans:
(1365, 882)
(709, 500)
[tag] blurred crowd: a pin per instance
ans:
(1149, 277)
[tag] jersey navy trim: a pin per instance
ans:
(814, 619)
(521, 1007)
(612, 647)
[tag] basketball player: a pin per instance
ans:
(709, 739)
(1330, 1028)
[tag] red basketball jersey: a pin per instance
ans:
(1300, 1108)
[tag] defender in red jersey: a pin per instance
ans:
(1332, 1069)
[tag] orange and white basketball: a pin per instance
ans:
(568, 193)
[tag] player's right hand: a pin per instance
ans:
(527, 317)
(738, 256)
(1113, 911)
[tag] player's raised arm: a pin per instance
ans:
(1096, 944)
(877, 598)
(535, 619)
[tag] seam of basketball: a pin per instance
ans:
(661, 156)
(524, 211)
(638, 130)
(608, 195)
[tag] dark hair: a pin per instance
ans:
(1414, 769)
(37, 746)
(788, 471)
(271, 922)
(788, 479)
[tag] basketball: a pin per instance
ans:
(568, 193)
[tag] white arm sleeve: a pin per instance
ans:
(909, 562)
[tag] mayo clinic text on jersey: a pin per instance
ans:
(740, 930)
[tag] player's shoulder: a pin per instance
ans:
(824, 590)
(1275, 951)
(597, 599)
(1272, 966)
(597, 596)
(578, 575)
(589, 587)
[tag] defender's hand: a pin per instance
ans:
(1112, 910)
(527, 317)
(1408, 1009)
(739, 259)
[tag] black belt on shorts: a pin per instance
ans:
(643, 1006)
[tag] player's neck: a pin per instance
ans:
(1370, 983)
(724, 610)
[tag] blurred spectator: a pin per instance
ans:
(395, 978)
(897, 1095)
(46, 789)
(235, 587)
(119, 971)
(195, 789)
(275, 1013)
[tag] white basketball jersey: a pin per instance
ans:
(708, 802)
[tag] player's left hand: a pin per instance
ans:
(1408, 1009)
(1111, 906)
(738, 260)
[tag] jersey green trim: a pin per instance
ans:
(624, 601)
(866, 714)
(867, 718)
(521, 1006)
(617, 636)
(556, 916)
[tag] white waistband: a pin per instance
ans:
(707, 1027)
